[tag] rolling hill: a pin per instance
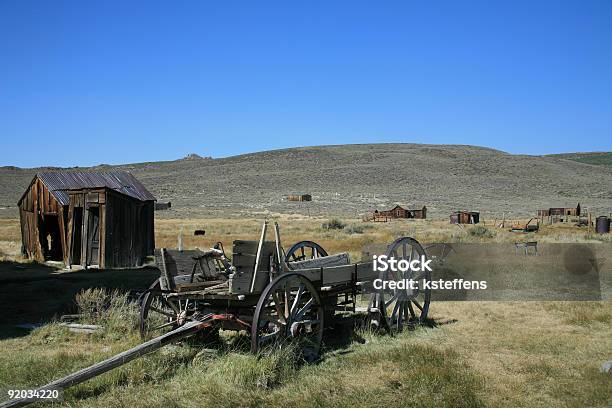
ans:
(350, 180)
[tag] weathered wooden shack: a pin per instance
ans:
(102, 219)
(465, 217)
(560, 211)
(299, 197)
(400, 212)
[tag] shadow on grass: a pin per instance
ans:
(339, 337)
(33, 293)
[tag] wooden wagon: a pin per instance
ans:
(277, 296)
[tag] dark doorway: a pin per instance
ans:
(50, 237)
(77, 235)
(93, 236)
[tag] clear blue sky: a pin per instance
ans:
(83, 82)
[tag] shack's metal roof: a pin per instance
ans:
(59, 183)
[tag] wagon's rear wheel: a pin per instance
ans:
(439, 251)
(159, 315)
(401, 308)
(304, 250)
(289, 313)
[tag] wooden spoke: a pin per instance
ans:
(277, 306)
(297, 299)
(393, 299)
(286, 303)
(304, 309)
(266, 338)
(411, 310)
(399, 316)
(161, 326)
(165, 313)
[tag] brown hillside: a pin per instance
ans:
(352, 179)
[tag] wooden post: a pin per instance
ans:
(258, 256)
(85, 234)
(279, 248)
(167, 275)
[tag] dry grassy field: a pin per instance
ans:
(480, 354)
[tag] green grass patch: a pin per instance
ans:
(481, 231)
(333, 224)
(596, 158)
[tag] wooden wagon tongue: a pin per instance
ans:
(118, 360)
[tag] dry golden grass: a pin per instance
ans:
(10, 238)
(532, 353)
(297, 228)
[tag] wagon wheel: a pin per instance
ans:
(289, 313)
(159, 315)
(402, 308)
(439, 251)
(304, 250)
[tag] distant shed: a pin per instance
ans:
(163, 206)
(560, 211)
(400, 212)
(102, 219)
(299, 197)
(465, 217)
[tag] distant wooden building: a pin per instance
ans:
(400, 212)
(560, 211)
(102, 219)
(163, 206)
(465, 217)
(299, 197)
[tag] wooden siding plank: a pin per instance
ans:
(337, 274)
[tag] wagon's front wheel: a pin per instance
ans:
(289, 313)
(158, 315)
